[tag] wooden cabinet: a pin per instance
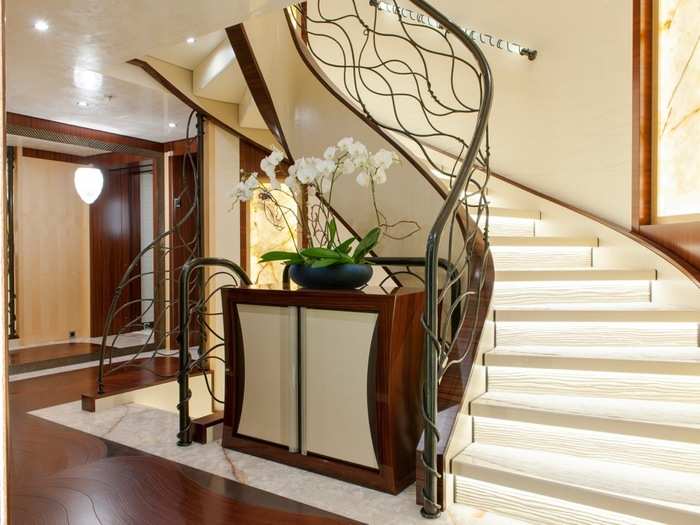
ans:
(326, 380)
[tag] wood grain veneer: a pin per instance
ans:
(642, 112)
(53, 155)
(115, 233)
(24, 121)
(256, 83)
(395, 408)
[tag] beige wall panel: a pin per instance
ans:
(335, 359)
(53, 252)
(268, 373)
(221, 224)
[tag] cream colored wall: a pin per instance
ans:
(53, 252)
(563, 123)
(221, 225)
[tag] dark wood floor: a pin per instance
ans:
(62, 476)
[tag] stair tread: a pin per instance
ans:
(575, 274)
(657, 412)
(658, 353)
(584, 242)
(659, 486)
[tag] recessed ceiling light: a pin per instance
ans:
(82, 104)
(41, 25)
(191, 40)
(172, 125)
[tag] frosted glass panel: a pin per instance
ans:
(678, 149)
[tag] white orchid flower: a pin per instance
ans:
(306, 171)
(384, 159)
(345, 143)
(363, 179)
(330, 153)
(379, 176)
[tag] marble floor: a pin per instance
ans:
(154, 431)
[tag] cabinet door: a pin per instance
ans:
(270, 396)
(336, 349)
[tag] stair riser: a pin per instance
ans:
(534, 508)
(502, 226)
(598, 424)
(639, 366)
(683, 457)
(512, 293)
(651, 387)
(516, 258)
(595, 334)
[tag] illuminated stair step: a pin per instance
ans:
(603, 446)
(570, 292)
(581, 274)
(653, 419)
(620, 385)
(602, 314)
(659, 360)
(550, 333)
(544, 242)
(510, 222)
(535, 508)
(644, 492)
(519, 258)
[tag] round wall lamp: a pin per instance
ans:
(88, 184)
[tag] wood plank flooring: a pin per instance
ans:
(62, 476)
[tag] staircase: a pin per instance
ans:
(591, 413)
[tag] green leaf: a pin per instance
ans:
(344, 247)
(366, 245)
(332, 232)
(278, 256)
(321, 253)
(324, 263)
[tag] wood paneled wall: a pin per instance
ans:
(115, 234)
(53, 252)
(183, 245)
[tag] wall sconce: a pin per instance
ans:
(88, 184)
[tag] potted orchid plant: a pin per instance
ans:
(328, 261)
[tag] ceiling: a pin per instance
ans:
(88, 42)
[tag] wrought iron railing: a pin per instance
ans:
(198, 311)
(426, 86)
(10, 223)
(157, 310)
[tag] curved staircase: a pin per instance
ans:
(591, 408)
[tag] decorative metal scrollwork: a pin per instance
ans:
(428, 87)
(185, 236)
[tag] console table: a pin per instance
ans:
(327, 381)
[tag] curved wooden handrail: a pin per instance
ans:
(240, 43)
(452, 389)
(689, 270)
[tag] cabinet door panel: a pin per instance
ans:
(270, 390)
(336, 349)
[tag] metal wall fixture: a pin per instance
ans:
(372, 64)
(477, 36)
